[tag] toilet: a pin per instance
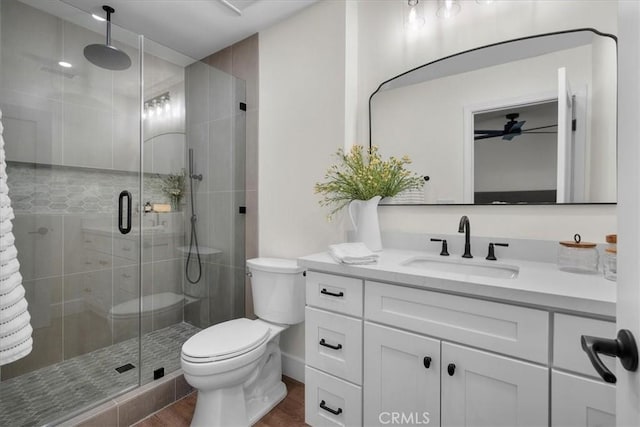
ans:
(236, 366)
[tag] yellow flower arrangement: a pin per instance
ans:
(362, 174)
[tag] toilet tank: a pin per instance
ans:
(278, 290)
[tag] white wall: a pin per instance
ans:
(303, 108)
(306, 84)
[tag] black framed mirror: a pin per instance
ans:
(525, 121)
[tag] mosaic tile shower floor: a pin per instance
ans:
(49, 393)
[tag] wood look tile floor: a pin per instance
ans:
(288, 413)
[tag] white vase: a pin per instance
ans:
(364, 216)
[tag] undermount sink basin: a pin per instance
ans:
(463, 266)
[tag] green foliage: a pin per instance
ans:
(361, 175)
(173, 185)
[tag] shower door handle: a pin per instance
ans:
(124, 229)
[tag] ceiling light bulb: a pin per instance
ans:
(98, 17)
(64, 64)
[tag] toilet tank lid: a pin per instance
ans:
(275, 265)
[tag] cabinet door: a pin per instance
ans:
(482, 389)
(581, 402)
(400, 385)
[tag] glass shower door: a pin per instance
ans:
(72, 145)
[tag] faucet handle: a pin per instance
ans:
(491, 256)
(444, 251)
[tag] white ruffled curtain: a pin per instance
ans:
(15, 327)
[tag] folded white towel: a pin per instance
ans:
(11, 298)
(16, 338)
(5, 227)
(14, 324)
(6, 240)
(9, 283)
(8, 254)
(353, 253)
(17, 352)
(9, 313)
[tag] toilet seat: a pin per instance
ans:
(225, 341)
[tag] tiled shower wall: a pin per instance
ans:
(39, 189)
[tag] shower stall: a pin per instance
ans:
(111, 307)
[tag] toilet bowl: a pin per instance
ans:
(236, 366)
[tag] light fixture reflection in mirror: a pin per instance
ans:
(414, 15)
(448, 8)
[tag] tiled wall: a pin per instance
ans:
(241, 61)
(45, 189)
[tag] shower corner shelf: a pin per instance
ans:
(203, 250)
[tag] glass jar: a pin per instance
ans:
(610, 264)
(577, 256)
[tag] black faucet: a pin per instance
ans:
(465, 228)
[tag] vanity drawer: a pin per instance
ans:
(503, 328)
(333, 343)
(578, 401)
(335, 293)
(567, 349)
(329, 401)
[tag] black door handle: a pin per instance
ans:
(451, 369)
(623, 347)
(326, 292)
(333, 347)
(427, 362)
(124, 195)
(324, 406)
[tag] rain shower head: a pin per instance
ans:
(106, 55)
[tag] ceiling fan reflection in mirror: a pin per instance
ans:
(511, 129)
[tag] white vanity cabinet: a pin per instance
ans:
(451, 384)
(381, 353)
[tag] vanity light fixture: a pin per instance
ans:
(64, 64)
(157, 106)
(448, 8)
(414, 15)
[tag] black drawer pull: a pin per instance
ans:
(333, 411)
(334, 347)
(326, 292)
(427, 362)
(451, 369)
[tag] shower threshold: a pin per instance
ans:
(60, 390)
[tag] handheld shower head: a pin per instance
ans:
(191, 174)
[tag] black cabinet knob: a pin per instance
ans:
(451, 369)
(427, 362)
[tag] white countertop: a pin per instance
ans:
(538, 284)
